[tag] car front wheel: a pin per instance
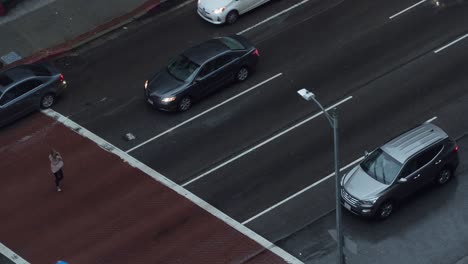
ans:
(47, 101)
(385, 210)
(185, 104)
(232, 17)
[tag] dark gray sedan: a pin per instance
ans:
(27, 88)
(200, 71)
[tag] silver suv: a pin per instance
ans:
(399, 168)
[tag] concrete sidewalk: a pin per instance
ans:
(37, 29)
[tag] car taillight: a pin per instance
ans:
(255, 52)
(61, 78)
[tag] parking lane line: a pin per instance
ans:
(272, 17)
(265, 142)
(288, 258)
(450, 44)
(300, 192)
(202, 113)
(404, 10)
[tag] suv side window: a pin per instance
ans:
(429, 154)
(421, 160)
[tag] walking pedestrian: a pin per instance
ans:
(56, 165)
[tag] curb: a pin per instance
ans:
(90, 35)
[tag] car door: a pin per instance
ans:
(245, 5)
(20, 99)
(418, 171)
(256, 4)
(227, 66)
(430, 164)
(214, 75)
(206, 80)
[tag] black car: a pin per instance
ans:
(27, 88)
(200, 71)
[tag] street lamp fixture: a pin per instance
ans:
(333, 120)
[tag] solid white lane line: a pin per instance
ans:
(432, 119)
(401, 12)
(272, 17)
(300, 192)
(204, 112)
(288, 258)
(450, 44)
(9, 254)
(264, 142)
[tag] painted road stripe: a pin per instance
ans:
(401, 12)
(4, 250)
(300, 192)
(170, 184)
(264, 142)
(272, 17)
(310, 186)
(202, 113)
(450, 44)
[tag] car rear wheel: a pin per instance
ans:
(385, 209)
(185, 104)
(444, 176)
(232, 17)
(47, 101)
(242, 74)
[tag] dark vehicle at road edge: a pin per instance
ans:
(398, 169)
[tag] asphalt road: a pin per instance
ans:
(255, 151)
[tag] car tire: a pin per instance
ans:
(184, 104)
(47, 101)
(242, 74)
(444, 176)
(232, 17)
(386, 209)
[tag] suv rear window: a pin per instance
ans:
(232, 43)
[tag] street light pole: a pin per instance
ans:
(333, 120)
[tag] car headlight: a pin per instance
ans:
(168, 99)
(369, 202)
(146, 84)
(219, 10)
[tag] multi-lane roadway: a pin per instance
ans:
(260, 153)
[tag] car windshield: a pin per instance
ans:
(182, 68)
(381, 166)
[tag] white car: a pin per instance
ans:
(225, 11)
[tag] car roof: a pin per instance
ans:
(411, 142)
(205, 51)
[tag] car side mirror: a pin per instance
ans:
(366, 153)
(402, 180)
